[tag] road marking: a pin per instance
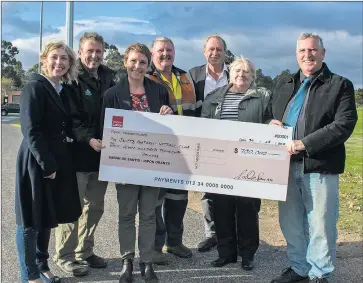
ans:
(8, 119)
(220, 276)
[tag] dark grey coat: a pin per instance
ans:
(45, 123)
(253, 108)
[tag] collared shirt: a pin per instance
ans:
(300, 124)
(58, 87)
(94, 74)
(211, 84)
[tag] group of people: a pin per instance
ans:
(62, 111)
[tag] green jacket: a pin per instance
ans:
(85, 104)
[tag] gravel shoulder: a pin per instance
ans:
(349, 245)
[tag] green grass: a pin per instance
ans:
(351, 191)
(351, 194)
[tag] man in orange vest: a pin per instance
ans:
(172, 203)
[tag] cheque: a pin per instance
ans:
(178, 152)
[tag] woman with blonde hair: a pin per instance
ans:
(46, 192)
(236, 218)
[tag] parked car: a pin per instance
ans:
(10, 108)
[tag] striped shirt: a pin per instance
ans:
(230, 104)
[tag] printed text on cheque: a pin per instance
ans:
(177, 152)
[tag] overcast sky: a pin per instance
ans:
(264, 32)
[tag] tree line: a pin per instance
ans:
(13, 76)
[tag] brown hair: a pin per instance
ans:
(94, 36)
(72, 72)
(137, 47)
(217, 37)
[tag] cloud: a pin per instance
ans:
(16, 25)
(13, 23)
(272, 49)
(129, 25)
(183, 19)
(109, 27)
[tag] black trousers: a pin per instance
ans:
(207, 208)
(236, 223)
(169, 221)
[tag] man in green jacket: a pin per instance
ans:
(75, 241)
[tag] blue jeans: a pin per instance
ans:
(308, 220)
(32, 246)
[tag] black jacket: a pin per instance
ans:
(45, 125)
(199, 75)
(119, 97)
(330, 118)
(86, 111)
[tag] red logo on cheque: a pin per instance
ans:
(118, 121)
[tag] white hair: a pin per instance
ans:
(248, 64)
(306, 35)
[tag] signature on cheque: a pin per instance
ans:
(253, 176)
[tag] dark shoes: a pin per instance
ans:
(126, 272)
(81, 267)
(247, 264)
(180, 251)
(319, 280)
(221, 261)
(289, 276)
(147, 271)
(207, 244)
(55, 279)
(94, 261)
(160, 258)
(73, 268)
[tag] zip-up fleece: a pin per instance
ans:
(86, 103)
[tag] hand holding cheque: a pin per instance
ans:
(224, 157)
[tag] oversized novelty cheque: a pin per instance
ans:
(207, 155)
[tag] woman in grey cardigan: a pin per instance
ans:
(240, 100)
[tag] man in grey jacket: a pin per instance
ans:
(207, 78)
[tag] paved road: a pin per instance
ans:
(270, 260)
(10, 118)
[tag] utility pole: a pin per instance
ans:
(40, 34)
(69, 22)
